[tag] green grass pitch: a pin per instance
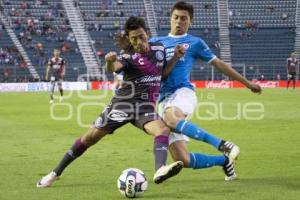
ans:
(32, 142)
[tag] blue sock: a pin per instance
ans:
(198, 160)
(189, 129)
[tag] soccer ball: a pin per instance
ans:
(132, 183)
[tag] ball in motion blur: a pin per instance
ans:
(132, 183)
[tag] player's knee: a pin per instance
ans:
(172, 116)
(93, 136)
(165, 130)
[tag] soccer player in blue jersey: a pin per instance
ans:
(178, 100)
(134, 103)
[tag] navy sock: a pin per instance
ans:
(198, 160)
(191, 130)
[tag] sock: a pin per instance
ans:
(76, 150)
(198, 160)
(189, 129)
(61, 92)
(160, 150)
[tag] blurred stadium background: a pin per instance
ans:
(257, 40)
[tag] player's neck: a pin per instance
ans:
(177, 36)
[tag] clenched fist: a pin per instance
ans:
(179, 51)
(255, 88)
(111, 57)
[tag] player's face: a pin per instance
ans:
(139, 40)
(293, 55)
(56, 54)
(180, 22)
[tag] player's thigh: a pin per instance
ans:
(179, 151)
(178, 106)
(156, 127)
(114, 116)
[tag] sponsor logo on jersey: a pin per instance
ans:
(149, 114)
(169, 50)
(157, 48)
(159, 55)
(117, 115)
(147, 79)
(185, 46)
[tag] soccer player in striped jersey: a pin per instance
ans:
(178, 100)
(57, 70)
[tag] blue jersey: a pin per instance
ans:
(179, 77)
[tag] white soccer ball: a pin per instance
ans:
(132, 183)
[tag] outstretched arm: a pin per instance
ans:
(229, 71)
(111, 62)
(178, 53)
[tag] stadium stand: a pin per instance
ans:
(261, 37)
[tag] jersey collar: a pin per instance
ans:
(177, 36)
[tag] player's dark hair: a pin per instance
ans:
(182, 5)
(134, 23)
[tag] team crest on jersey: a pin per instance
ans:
(159, 55)
(185, 46)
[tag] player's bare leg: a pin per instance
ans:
(179, 151)
(91, 137)
(161, 132)
(52, 91)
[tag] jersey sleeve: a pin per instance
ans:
(203, 51)
(124, 60)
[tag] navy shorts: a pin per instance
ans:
(120, 112)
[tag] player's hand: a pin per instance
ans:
(46, 78)
(111, 57)
(179, 51)
(255, 88)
